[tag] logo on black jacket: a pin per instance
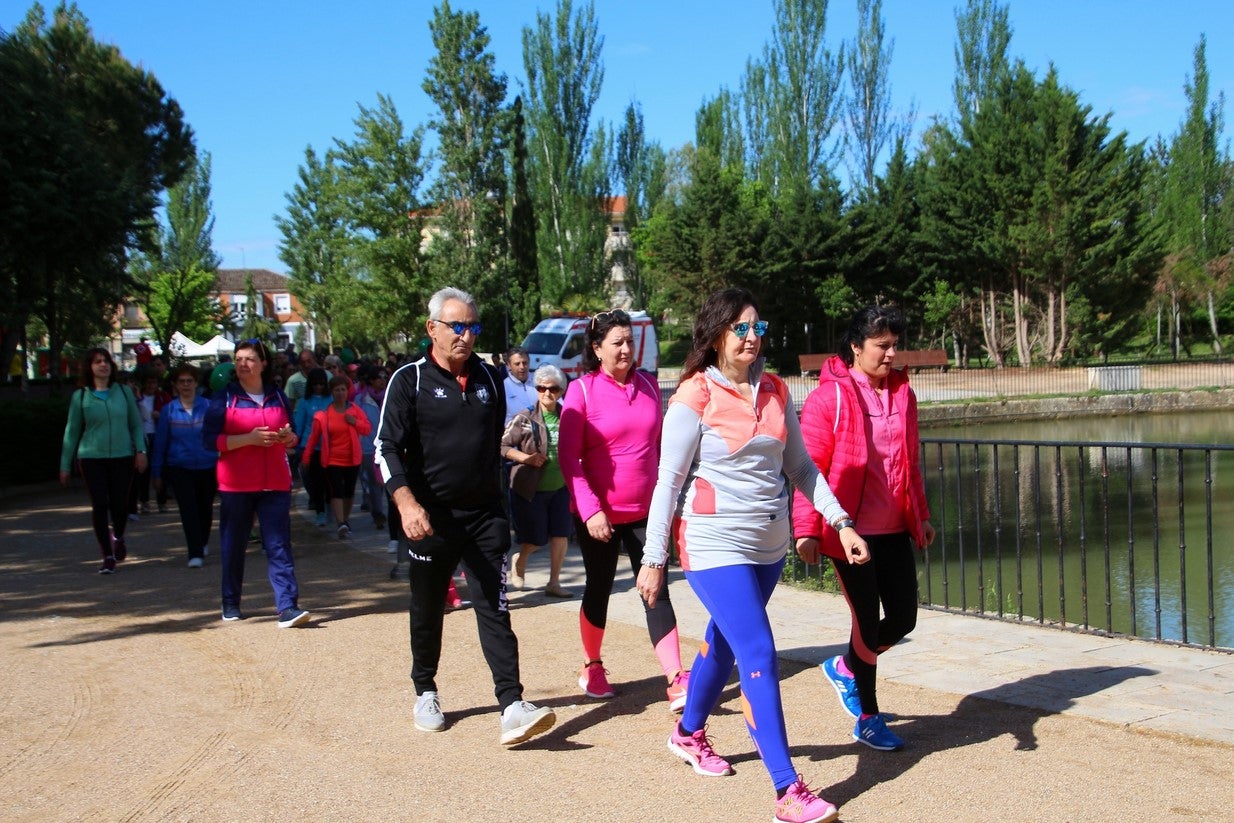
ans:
(482, 394)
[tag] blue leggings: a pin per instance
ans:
(739, 632)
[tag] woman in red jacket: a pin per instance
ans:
(337, 429)
(860, 427)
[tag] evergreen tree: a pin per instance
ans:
(524, 271)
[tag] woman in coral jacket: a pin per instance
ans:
(249, 423)
(730, 439)
(336, 430)
(860, 427)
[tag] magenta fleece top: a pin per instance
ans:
(609, 445)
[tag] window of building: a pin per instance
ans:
(282, 304)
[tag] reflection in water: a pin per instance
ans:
(1126, 539)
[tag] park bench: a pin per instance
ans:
(811, 364)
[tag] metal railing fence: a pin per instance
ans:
(1129, 539)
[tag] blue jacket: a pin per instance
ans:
(178, 440)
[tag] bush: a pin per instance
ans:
(33, 431)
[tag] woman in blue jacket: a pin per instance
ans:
(182, 463)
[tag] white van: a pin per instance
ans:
(560, 341)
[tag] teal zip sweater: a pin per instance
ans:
(99, 428)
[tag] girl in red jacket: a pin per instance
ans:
(337, 428)
(860, 427)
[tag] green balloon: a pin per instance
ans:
(347, 354)
(222, 375)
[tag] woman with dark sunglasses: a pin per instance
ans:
(541, 502)
(610, 445)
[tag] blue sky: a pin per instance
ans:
(260, 80)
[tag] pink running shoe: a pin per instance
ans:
(800, 805)
(677, 691)
(453, 601)
(593, 680)
(696, 750)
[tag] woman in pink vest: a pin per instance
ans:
(609, 450)
(860, 427)
(249, 423)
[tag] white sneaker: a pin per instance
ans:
(392, 547)
(522, 721)
(195, 562)
(428, 714)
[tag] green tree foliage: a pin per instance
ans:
(868, 118)
(88, 141)
(249, 320)
(983, 34)
(562, 59)
(316, 243)
(1195, 185)
(379, 174)
(792, 101)
(175, 280)
(1038, 209)
(469, 247)
(524, 270)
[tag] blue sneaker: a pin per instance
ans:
(874, 733)
(846, 687)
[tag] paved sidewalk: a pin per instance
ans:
(1125, 682)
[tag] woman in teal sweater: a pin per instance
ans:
(104, 434)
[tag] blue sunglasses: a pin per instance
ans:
(742, 329)
(459, 328)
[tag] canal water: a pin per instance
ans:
(1134, 540)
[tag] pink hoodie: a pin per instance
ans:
(609, 445)
(833, 427)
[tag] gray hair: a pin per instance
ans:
(439, 298)
(333, 361)
(551, 372)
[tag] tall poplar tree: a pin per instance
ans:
(983, 34)
(869, 122)
(469, 246)
(1196, 183)
(562, 59)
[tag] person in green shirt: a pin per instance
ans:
(103, 433)
(541, 502)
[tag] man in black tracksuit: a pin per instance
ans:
(439, 453)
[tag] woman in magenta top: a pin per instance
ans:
(609, 451)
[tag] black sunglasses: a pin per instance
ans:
(553, 389)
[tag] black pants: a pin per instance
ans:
(194, 490)
(600, 567)
(315, 483)
(887, 583)
(109, 480)
(479, 540)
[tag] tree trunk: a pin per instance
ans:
(1212, 322)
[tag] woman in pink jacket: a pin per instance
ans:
(860, 427)
(609, 450)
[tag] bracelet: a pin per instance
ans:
(843, 523)
(653, 565)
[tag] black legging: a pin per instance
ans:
(108, 481)
(600, 566)
(194, 490)
(315, 483)
(889, 581)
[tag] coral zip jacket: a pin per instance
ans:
(833, 426)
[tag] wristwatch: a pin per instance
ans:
(844, 523)
(653, 565)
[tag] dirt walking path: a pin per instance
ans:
(125, 698)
